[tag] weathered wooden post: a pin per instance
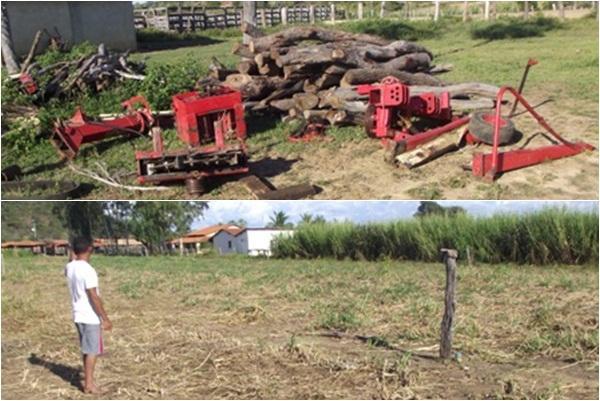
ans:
(382, 10)
(561, 10)
(526, 9)
(249, 17)
(436, 11)
(450, 256)
(359, 10)
(311, 13)
(284, 15)
(332, 13)
(465, 16)
(486, 12)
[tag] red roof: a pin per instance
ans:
(22, 244)
(205, 234)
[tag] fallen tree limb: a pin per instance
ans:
(111, 182)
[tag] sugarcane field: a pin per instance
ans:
(327, 100)
(263, 299)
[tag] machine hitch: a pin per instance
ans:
(491, 165)
(391, 108)
(68, 136)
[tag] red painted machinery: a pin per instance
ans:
(492, 164)
(212, 126)
(391, 108)
(67, 137)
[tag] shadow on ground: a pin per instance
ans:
(65, 372)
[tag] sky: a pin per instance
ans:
(256, 212)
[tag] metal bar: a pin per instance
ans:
(515, 159)
(415, 140)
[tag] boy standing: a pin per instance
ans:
(88, 312)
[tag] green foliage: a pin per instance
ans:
(153, 223)
(340, 316)
(512, 28)
(544, 237)
(395, 29)
(427, 208)
(279, 220)
(163, 81)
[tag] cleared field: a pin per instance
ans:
(255, 328)
(351, 166)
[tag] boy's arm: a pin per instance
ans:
(99, 307)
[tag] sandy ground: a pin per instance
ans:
(358, 170)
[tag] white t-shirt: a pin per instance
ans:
(80, 277)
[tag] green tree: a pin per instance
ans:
(238, 222)
(428, 208)
(279, 220)
(154, 223)
(307, 218)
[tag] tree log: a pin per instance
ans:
(221, 74)
(283, 104)
(318, 54)
(460, 90)
(292, 36)
(247, 67)
(242, 51)
(32, 51)
(409, 62)
(305, 101)
(367, 76)
(335, 97)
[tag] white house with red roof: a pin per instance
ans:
(248, 241)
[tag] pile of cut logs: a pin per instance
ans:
(95, 71)
(308, 72)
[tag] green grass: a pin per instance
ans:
(568, 72)
(549, 236)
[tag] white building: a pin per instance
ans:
(249, 241)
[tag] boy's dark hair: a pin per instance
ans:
(81, 245)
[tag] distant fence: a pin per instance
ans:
(191, 19)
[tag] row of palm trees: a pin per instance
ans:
(279, 219)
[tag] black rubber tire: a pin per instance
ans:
(483, 130)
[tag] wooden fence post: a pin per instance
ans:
(561, 10)
(332, 16)
(311, 14)
(284, 15)
(359, 10)
(465, 16)
(249, 17)
(450, 256)
(486, 12)
(436, 11)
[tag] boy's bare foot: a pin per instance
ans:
(93, 390)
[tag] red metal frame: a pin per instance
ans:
(213, 127)
(196, 114)
(490, 165)
(67, 137)
(392, 101)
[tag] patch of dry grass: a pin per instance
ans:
(250, 328)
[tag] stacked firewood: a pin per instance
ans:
(313, 72)
(95, 71)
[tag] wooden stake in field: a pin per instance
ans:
(450, 256)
